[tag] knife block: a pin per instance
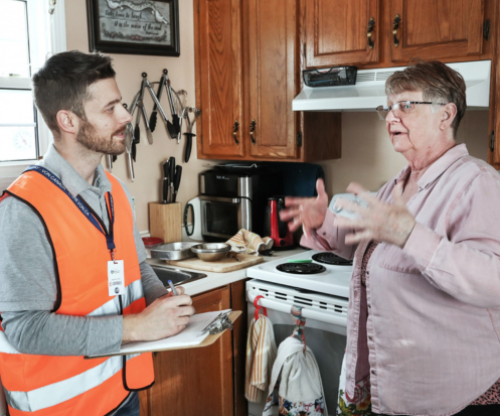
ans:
(165, 221)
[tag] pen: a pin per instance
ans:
(172, 287)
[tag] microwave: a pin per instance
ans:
(232, 200)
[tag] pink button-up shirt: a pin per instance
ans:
(431, 339)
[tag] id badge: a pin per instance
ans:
(116, 278)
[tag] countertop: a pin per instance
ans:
(215, 280)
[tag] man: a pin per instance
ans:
(68, 245)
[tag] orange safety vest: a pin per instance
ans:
(44, 385)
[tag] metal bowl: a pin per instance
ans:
(211, 251)
(173, 251)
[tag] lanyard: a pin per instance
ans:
(82, 206)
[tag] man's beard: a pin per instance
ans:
(88, 137)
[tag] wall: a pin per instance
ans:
(369, 159)
(146, 187)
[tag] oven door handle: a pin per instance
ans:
(287, 308)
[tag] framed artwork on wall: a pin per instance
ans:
(134, 26)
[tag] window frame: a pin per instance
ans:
(40, 21)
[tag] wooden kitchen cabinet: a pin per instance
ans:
(248, 70)
(342, 32)
(432, 30)
(203, 381)
(450, 30)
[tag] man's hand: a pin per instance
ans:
(165, 317)
(309, 212)
(388, 223)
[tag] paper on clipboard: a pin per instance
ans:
(191, 337)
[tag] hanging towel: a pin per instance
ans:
(261, 353)
(299, 391)
(246, 242)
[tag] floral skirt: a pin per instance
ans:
(360, 404)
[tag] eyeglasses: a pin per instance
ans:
(401, 109)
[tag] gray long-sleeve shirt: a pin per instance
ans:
(28, 288)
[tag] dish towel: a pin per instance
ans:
(246, 242)
(299, 391)
(261, 353)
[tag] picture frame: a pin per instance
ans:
(139, 27)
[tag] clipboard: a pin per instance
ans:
(163, 344)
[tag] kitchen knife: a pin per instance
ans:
(152, 120)
(177, 181)
(165, 182)
(171, 174)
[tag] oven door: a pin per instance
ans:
(224, 217)
(325, 330)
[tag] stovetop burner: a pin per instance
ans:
(301, 268)
(330, 258)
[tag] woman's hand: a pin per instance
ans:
(309, 212)
(388, 223)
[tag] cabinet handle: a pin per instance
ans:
(371, 24)
(395, 27)
(252, 129)
(235, 130)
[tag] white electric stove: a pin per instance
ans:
(327, 273)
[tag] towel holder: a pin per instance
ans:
(257, 307)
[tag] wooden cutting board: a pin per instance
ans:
(221, 266)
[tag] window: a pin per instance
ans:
(28, 35)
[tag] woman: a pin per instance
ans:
(424, 306)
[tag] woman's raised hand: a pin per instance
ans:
(388, 223)
(308, 212)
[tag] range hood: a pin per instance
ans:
(369, 90)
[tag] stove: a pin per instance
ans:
(326, 273)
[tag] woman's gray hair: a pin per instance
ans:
(437, 81)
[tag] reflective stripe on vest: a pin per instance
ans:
(132, 293)
(57, 393)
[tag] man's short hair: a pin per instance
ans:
(61, 84)
(437, 81)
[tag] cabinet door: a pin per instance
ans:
(337, 32)
(273, 78)
(197, 381)
(430, 29)
(218, 69)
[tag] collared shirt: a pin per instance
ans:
(28, 279)
(431, 339)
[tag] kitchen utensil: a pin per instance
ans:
(165, 182)
(175, 117)
(177, 181)
(222, 266)
(143, 109)
(152, 120)
(211, 251)
(274, 227)
(170, 127)
(171, 175)
(189, 135)
(129, 137)
(173, 251)
(193, 230)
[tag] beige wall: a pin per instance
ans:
(368, 157)
(146, 187)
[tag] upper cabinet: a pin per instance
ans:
(431, 29)
(218, 77)
(342, 32)
(370, 33)
(248, 70)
